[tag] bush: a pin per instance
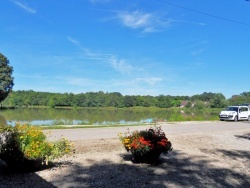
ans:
(23, 143)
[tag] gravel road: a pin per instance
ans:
(205, 154)
(169, 129)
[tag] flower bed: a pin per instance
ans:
(26, 147)
(146, 145)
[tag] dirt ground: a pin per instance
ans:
(211, 159)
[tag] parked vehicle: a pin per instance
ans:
(245, 104)
(235, 113)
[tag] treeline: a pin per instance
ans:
(116, 99)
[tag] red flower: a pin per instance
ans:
(145, 142)
(163, 142)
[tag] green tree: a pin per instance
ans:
(52, 103)
(129, 101)
(175, 103)
(163, 101)
(239, 99)
(6, 81)
(207, 96)
(245, 94)
(199, 104)
(219, 101)
(115, 99)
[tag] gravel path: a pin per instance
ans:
(205, 154)
(169, 129)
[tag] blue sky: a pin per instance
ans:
(135, 47)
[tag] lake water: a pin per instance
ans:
(48, 116)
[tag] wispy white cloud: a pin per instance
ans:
(117, 64)
(86, 51)
(122, 85)
(131, 85)
(142, 82)
(151, 80)
(198, 47)
(130, 75)
(188, 22)
(77, 81)
(24, 7)
(135, 19)
(194, 46)
(148, 22)
(121, 65)
(73, 41)
(32, 76)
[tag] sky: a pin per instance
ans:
(135, 47)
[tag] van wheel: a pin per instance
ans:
(248, 119)
(236, 118)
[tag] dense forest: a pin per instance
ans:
(116, 99)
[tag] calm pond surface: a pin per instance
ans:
(48, 116)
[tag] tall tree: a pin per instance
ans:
(129, 101)
(6, 81)
(219, 101)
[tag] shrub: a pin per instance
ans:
(25, 142)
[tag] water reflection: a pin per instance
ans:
(2, 120)
(49, 116)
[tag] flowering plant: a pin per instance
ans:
(146, 145)
(25, 142)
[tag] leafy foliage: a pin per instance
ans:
(218, 101)
(26, 142)
(240, 99)
(114, 99)
(6, 81)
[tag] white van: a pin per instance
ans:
(235, 113)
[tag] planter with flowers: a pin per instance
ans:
(26, 147)
(147, 145)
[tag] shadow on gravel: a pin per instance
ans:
(175, 170)
(236, 155)
(24, 180)
(245, 136)
(24, 176)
